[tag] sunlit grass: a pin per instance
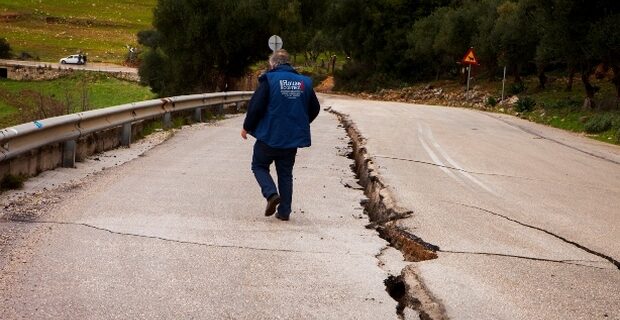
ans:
(52, 29)
(103, 91)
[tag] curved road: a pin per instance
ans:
(101, 67)
(526, 219)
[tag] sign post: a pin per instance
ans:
(503, 83)
(469, 59)
(468, 77)
(275, 43)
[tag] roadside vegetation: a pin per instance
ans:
(23, 101)
(562, 57)
(51, 29)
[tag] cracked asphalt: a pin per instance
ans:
(525, 217)
(179, 233)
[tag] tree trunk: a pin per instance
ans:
(542, 78)
(516, 71)
(615, 68)
(491, 69)
(590, 90)
(571, 76)
(616, 79)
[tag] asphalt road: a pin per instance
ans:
(526, 217)
(180, 233)
(101, 67)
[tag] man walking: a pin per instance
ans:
(279, 117)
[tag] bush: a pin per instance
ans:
(525, 104)
(357, 77)
(10, 182)
(599, 123)
(5, 49)
(491, 101)
(563, 103)
(517, 88)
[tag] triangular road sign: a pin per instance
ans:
(470, 57)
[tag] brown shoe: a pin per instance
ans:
(281, 217)
(272, 203)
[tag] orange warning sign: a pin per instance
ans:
(470, 57)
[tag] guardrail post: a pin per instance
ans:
(220, 109)
(68, 154)
(238, 106)
(167, 122)
(198, 114)
(126, 135)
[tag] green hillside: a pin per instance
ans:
(52, 29)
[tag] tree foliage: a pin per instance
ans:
(201, 45)
(198, 45)
(526, 36)
(5, 49)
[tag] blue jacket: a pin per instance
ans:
(282, 108)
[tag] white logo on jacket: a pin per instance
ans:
(291, 89)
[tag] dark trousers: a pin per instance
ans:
(263, 156)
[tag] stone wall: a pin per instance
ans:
(47, 72)
(35, 73)
(49, 157)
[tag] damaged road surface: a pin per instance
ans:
(500, 218)
(180, 233)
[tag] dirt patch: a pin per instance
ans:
(326, 86)
(10, 16)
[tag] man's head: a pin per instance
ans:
(278, 57)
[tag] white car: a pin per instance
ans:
(74, 59)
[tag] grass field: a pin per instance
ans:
(17, 104)
(563, 109)
(52, 29)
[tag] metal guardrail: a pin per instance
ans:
(68, 128)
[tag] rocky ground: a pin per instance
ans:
(445, 95)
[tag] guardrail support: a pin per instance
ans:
(198, 114)
(219, 109)
(126, 135)
(68, 154)
(238, 106)
(167, 121)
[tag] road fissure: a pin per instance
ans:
(453, 168)
(573, 243)
(523, 257)
(185, 242)
(383, 213)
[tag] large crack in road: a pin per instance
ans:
(383, 213)
(381, 208)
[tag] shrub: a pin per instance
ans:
(5, 49)
(525, 104)
(599, 123)
(10, 182)
(357, 77)
(517, 88)
(491, 101)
